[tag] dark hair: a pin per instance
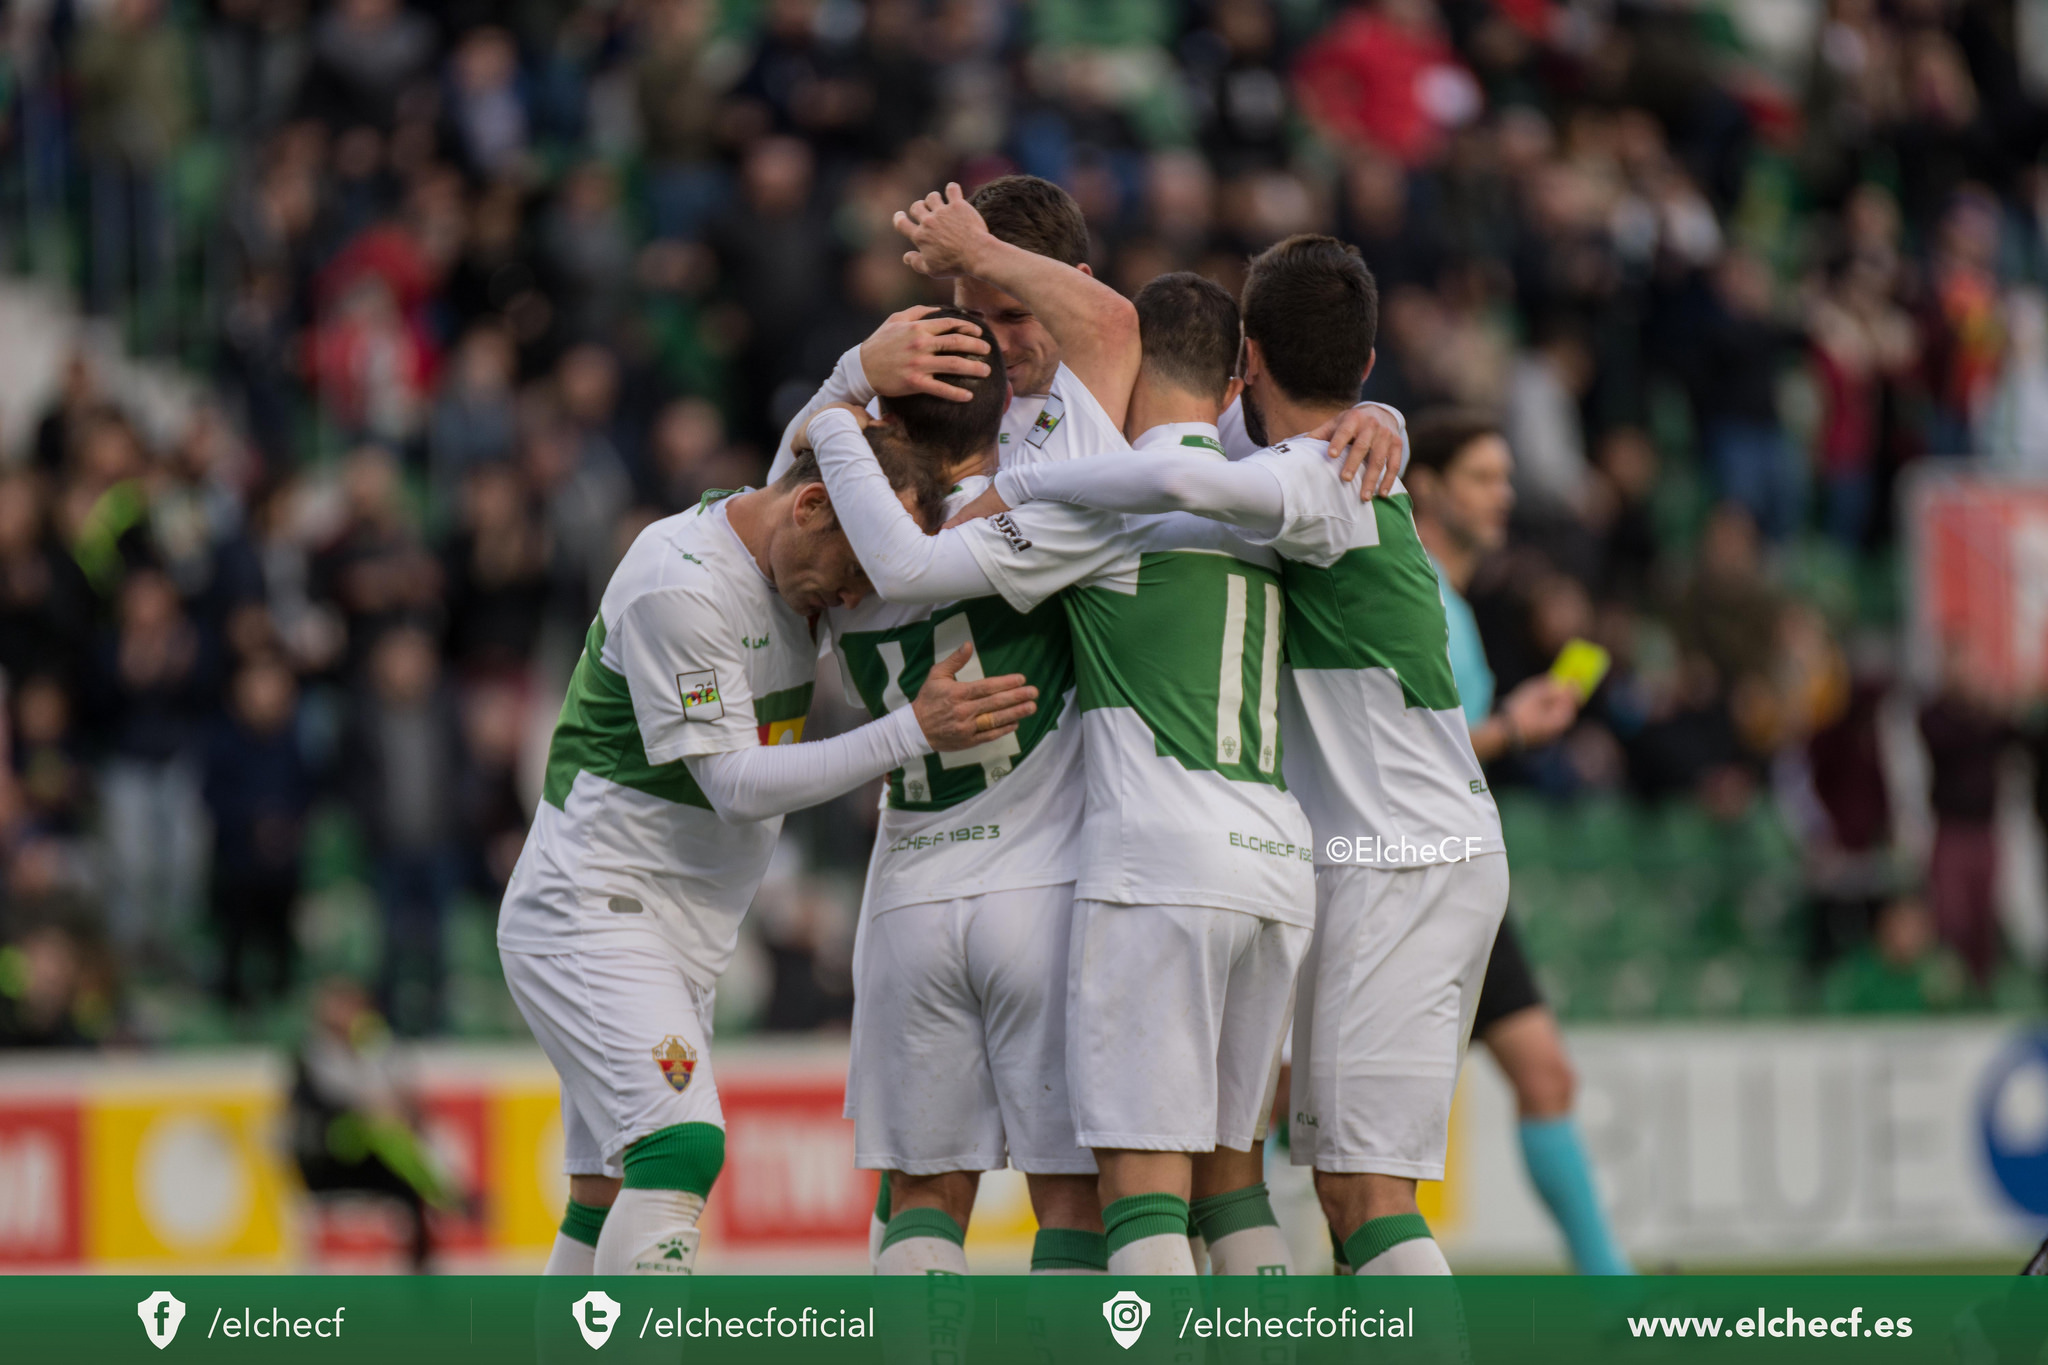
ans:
(1437, 437)
(1314, 308)
(949, 431)
(908, 470)
(1035, 214)
(1189, 330)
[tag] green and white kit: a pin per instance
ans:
(960, 961)
(1178, 633)
(1411, 882)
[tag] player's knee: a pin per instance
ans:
(951, 1193)
(1342, 1198)
(687, 1156)
(1546, 1085)
(594, 1191)
(1066, 1201)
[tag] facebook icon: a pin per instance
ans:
(161, 1313)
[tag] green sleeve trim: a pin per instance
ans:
(882, 1200)
(923, 1223)
(583, 1222)
(1219, 1215)
(1069, 1249)
(791, 703)
(1382, 1234)
(1139, 1216)
(688, 1156)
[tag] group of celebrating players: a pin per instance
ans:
(1177, 776)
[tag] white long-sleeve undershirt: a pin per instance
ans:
(1237, 442)
(903, 563)
(753, 784)
(848, 383)
(1147, 481)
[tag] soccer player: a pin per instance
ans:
(960, 970)
(1196, 888)
(1461, 477)
(671, 766)
(1411, 882)
(1040, 217)
(959, 1051)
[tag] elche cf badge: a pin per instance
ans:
(677, 1060)
(1048, 418)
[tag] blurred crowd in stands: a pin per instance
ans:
(476, 291)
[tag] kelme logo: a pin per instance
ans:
(161, 1313)
(596, 1314)
(1127, 1315)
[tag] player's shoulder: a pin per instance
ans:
(1301, 451)
(1303, 466)
(691, 556)
(966, 491)
(1072, 414)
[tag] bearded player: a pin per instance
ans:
(1411, 874)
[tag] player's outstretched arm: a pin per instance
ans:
(903, 563)
(1244, 495)
(1372, 437)
(911, 352)
(1096, 327)
(948, 714)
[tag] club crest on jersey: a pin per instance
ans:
(1048, 417)
(677, 1060)
(699, 689)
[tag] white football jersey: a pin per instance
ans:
(1377, 746)
(692, 652)
(1177, 629)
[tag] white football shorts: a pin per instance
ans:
(961, 1055)
(1385, 1011)
(1174, 1017)
(629, 1036)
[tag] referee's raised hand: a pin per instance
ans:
(959, 713)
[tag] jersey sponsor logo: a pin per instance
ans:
(782, 731)
(677, 1060)
(1273, 848)
(1048, 418)
(1008, 529)
(754, 641)
(699, 689)
(964, 835)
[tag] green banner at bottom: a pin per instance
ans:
(1049, 1320)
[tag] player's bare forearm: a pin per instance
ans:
(1097, 328)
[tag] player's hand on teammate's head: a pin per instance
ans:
(1365, 438)
(959, 715)
(945, 231)
(988, 504)
(1540, 709)
(912, 351)
(802, 440)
